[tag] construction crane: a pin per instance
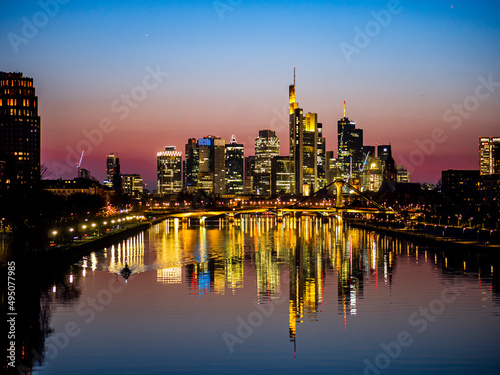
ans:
(79, 163)
(364, 163)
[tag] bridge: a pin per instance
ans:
(299, 208)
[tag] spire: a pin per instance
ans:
(344, 108)
(294, 76)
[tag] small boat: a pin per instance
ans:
(126, 272)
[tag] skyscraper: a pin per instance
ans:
(191, 165)
(296, 140)
(234, 167)
(304, 139)
(19, 130)
(113, 172)
(249, 172)
(282, 178)
(212, 164)
(350, 147)
(321, 157)
(489, 155)
(267, 146)
(383, 152)
(169, 167)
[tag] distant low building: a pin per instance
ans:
(402, 175)
(69, 187)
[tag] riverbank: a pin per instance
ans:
(462, 238)
(71, 253)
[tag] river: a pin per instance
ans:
(300, 296)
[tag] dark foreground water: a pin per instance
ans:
(259, 297)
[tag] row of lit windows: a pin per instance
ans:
(13, 102)
(8, 91)
(16, 82)
(17, 126)
(18, 112)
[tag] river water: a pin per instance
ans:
(261, 297)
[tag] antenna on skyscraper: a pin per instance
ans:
(344, 108)
(294, 76)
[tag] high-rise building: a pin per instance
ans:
(383, 152)
(304, 140)
(332, 170)
(350, 148)
(267, 146)
(212, 164)
(191, 165)
(113, 172)
(321, 157)
(389, 174)
(489, 155)
(133, 184)
(282, 178)
(234, 167)
(19, 130)
(169, 171)
(249, 171)
(372, 174)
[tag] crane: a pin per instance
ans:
(79, 163)
(364, 163)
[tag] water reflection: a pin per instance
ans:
(37, 295)
(306, 259)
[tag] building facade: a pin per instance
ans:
(267, 146)
(350, 148)
(19, 131)
(282, 178)
(234, 167)
(133, 184)
(191, 165)
(212, 164)
(169, 171)
(307, 147)
(489, 155)
(113, 172)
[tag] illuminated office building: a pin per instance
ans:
(249, 173)
(372, 174)
(489, 155)
(350, 147)
(304, 141)
(113, 172)
(267, 146)
(19, 131)
(402, 175)
(132, 184)
(169, 167)
(282, 180)
(383, 152)
(234, 167)
(212, 164)
(321, 157)
(191, 165)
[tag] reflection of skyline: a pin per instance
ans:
(353, 263)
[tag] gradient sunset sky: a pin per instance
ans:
(230, 63)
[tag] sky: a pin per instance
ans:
(131, 77)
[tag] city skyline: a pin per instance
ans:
(232, 79)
